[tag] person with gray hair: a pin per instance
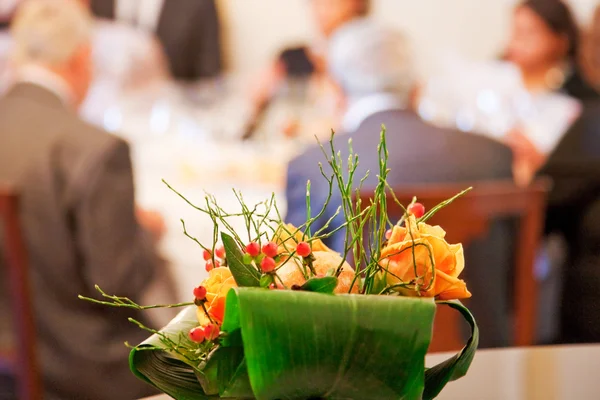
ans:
(77, 209)
(372, 66)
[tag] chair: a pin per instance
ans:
(466, 219)
(24, 361)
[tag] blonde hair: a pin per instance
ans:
(49, 31)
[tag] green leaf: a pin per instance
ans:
(456, 367)
(379, 283)
(343, 346)
(320, 285)
(166, 371)
(244, 274)
(293, 344)
(266, 280)
(233, 375)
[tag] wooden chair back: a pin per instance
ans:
(468, 218)
(23, 359)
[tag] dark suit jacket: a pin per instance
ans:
(574, 211)
(420, 153)
(189, 31)
(77, 214)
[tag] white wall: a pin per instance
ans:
(256, 29)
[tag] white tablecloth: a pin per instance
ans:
(543, 373)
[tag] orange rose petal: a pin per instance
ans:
(398, 235)
(436, 230)
(459, 255)
(218, 284)
(402, 260)
(344, 281)
(412, 230)
(442, 253)
(400, 257)
(458, 291)
(449, 288)
(217, 309)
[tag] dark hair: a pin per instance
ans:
(559, 18)
(365, 8)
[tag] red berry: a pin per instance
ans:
(206, 255)
(303, 249)
(388, 234)
(416, 209)
(273, 286)
(211, 331)
(253, 249)
(200, 293)
(270, 249)
(197, 335)
(220, 252)
(267, 264)
(210, 265)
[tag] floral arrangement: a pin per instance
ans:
(282, 316)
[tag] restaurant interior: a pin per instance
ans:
(120, 120)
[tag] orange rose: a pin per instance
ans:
(217, 286)
(291, 273)
(414, 251)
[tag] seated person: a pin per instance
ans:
(188, 30)
(307, 62)
(77, 209)
(373, 68)
(529, 99)
(590, 53)
(545, 47)
(574, 213)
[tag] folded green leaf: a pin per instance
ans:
(294, 344)
(456, 367)
(244, 274)
(303, 345)
(326, 284)
(169, 372)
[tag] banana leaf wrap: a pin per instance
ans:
(301, 345)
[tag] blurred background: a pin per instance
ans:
(103, 99)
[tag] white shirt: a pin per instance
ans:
(144, 14)
(359, 110)
(48, 80)
(490, 98)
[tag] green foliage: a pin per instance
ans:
(326, 284)
(305, 343)
(245, 274)
(291, 344)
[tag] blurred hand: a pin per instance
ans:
(527, 158)
(266, 84)
(291, 128)
(151, 221)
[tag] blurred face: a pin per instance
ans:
(330, 14)
(532, 43)
(81, 73)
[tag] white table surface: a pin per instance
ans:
(542, 373)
